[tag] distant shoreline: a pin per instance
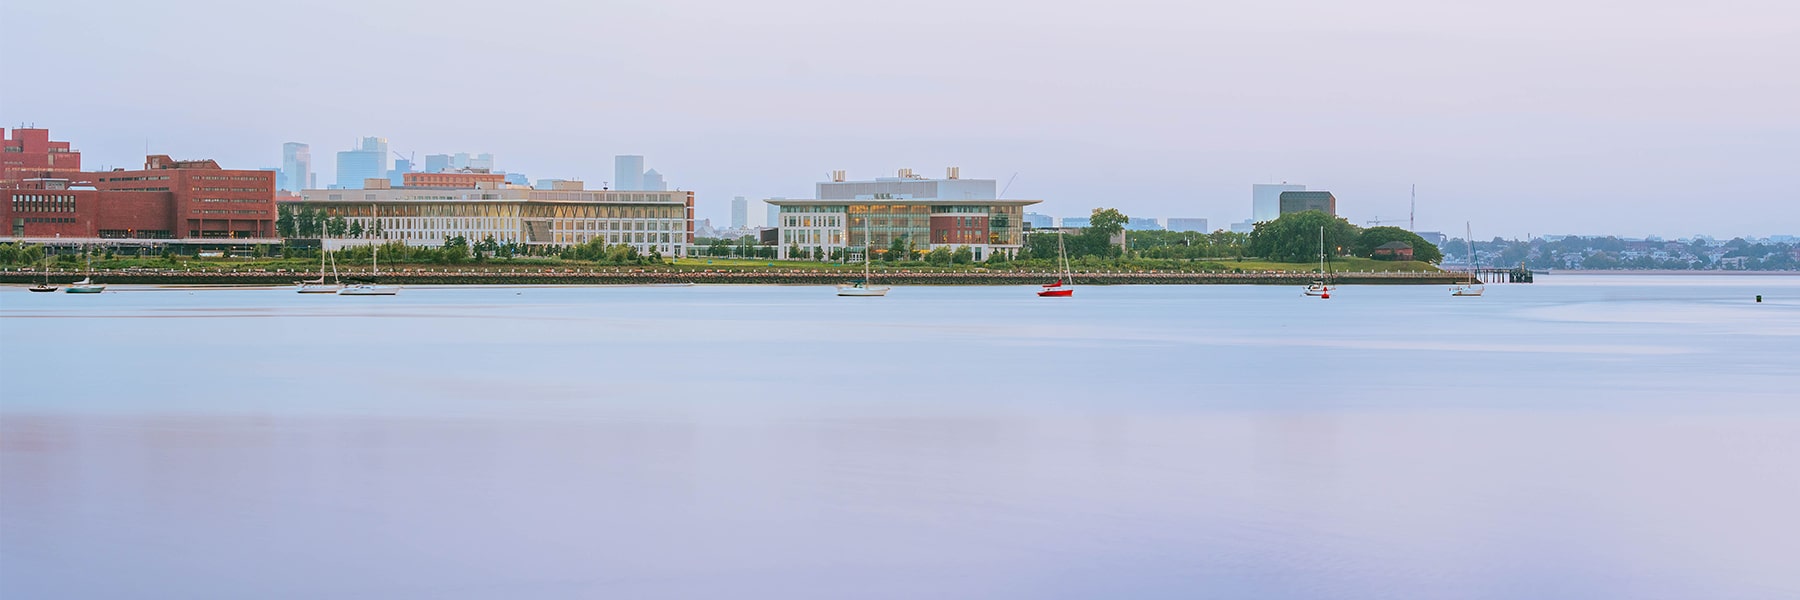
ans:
(1556, 272)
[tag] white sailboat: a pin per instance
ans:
(861, 288)
(1064, 286)
(318, 286)
(1319, 287)
(86, 285)
(1474, 286)
(371, 288)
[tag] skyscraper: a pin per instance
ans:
(437, 163)
(1187, 224)
(1265, 200)
(296, 166)
(653, 181)
(367, 162)
(397, 176)
(740, 213)
(628, 172)
(774, 216)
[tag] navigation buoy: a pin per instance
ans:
(1325, 295)
(1759, 298)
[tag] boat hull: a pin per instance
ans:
(369, 290)
(85, 289)
(1056, 293)
(318, 289)
(862, 292)
(41, 289)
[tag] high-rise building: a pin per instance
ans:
(366, 162)
(1076, 222)
(1038, 221)
(296, 166)
(401, 168)
(437, 163)
(1187, 224)
(773, 218)
(653, 181)
(740, 213)
(628, 172)
(1265, 199)
(1142, 224)
(1293, 202)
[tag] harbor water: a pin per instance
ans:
(1580, 437)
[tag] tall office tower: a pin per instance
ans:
(367, 162)
(1265, 200)
(628, 172)
(437, 163)
(774, 216)
(740, 213)
(653, 181)
(483, 161)
(397, 177)
(1039, 221)
(296, 165)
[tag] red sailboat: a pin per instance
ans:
(1063, 287)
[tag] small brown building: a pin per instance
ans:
(1395, 250)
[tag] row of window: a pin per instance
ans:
(237, 200)
(60, 220)
(232, 212)
(139, 178)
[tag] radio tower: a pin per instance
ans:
(1412, 208)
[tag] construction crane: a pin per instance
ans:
(1412, 204)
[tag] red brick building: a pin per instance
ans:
(41, 198)
(28, 153)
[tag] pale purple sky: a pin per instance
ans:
(1529, 116)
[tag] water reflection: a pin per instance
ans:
(759, 442)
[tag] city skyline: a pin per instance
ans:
(1665, 120)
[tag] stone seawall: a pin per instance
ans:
(609, 276)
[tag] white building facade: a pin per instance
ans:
(649, 221)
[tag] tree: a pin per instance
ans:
(897, 249)
(1374, 237)
(939, 256)
(284, 223)
(336, 226)
(1294, 237)
(356, 229)
(962, 255)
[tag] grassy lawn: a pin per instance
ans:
(1337, 264)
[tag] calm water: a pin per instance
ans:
(1583, 437)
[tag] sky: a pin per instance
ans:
(1526, 117)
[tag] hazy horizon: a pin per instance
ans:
(1530, 118)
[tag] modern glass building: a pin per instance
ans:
(367, 162)
(921, 213)
(1265, 199)
(1187, 224)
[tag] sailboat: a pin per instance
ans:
(370, 288)
(1319, 287)
(45, 286)
(1064, 286)
(1474, 286)
(861, 287)
(318, 286)
(86, 285)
